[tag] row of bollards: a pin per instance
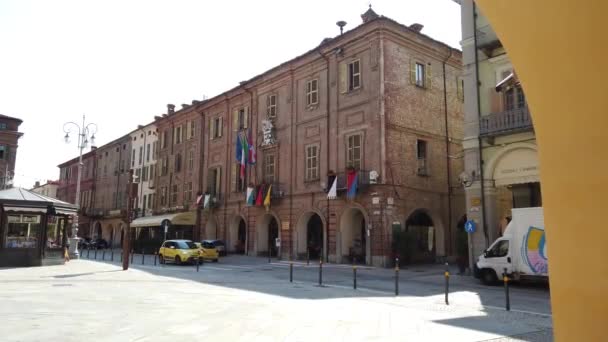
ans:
(396, 277)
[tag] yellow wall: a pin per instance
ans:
(559, 49)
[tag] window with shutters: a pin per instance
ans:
(144, 174)
(133, 158)
(420, 75)
(174, 193)
(191, 160)
(354, 75)
(312, 162)
(271, 106)
(191, 129)
(137, 177)
(141, 155)
(188, 192)
(163, 195)
(237, 182)
(421, 156)
(164, 168)
(177, 135)
(241, 119)
(354, 151)
(178, 162)
(216, 127)
(460, 89)
(148, 152)
(214, 178)
(163, 139)
(269, 167)
(312, 92)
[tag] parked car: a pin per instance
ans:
(208, 251)
(219, 245)
(178, 252)
(99, 244)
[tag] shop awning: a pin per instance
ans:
(25, 209)
(183, 219)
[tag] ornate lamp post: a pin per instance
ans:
(86, 135)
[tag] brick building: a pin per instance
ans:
(47, 189)
(383, 98)
(66, 188)
(9, 141)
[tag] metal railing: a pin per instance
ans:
(362, 180)
(505, 122)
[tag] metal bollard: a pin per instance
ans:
(396, 276)
(95, 253)
(505, 279)
(89, 253)
(143, 256)
(307, 257)
(198, 263)
(103, 255)
(132, 255)
(320, 272)
(269, 256)
(112, 254)
(291, 272)
(120, 259)
(354, 277)
(447, 283)
(155, 255)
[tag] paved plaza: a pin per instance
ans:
(249, 299)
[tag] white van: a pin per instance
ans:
(522, 250)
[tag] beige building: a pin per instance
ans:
(501, 162)
(47, 189)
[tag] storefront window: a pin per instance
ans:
(54, 232)
(22, 231)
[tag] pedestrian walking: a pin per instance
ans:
(66, 255)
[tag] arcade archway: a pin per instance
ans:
(267, 233)
(310, 236)
(354, 247)
(237, 236)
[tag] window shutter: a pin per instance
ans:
(459, 89)
(220, 127)
(412, 71)
(343, 78)
(267, 105)
(184, 129)
(218, 179)
(211, 128)
(246, 118)
(235, 120)
(233, 178)
(210, 181)
(428, 82)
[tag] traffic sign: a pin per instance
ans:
(470, 226)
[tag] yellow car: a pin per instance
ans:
(178, 251)
(208, 251)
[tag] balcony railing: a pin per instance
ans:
(278, 191)
(506, 122)
(362, 180)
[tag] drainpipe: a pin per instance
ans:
(143, 163)
(480, 142)
(447, 153)
(382, 153)
(326, 232)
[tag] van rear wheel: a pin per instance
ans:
(488, 277)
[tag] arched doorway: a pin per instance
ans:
(421, 233)
(237, 236)
(267, 233)
(210, 228)
(353, 237)
(310, 236)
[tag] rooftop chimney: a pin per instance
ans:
(170, 108)
(37, 184)
(185, 105)
(416, 27)
(341, 25)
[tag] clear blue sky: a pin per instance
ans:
(121, 62)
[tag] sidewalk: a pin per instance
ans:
(95, 301)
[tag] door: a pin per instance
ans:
(499, 257)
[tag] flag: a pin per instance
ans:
(259, 199)
(351, 183)
(267, 199)
(332, 182)
(252, 155)
(198, 199)
(206, 201)
(250, 200)
(239, 149)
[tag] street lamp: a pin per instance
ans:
(86, 133)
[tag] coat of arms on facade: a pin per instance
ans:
(268, 133)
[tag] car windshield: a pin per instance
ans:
(207, 244)
(185, 245)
